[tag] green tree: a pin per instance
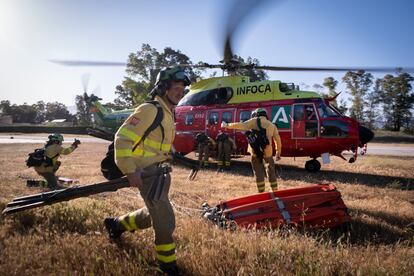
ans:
(397, 99)
(5, 107)
(358, 83)
(371, 112)
(252, 73)
(23, 113)
(330, 83)
(143, 68)
(40, 107)
(56, 110)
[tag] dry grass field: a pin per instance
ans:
(69, 238)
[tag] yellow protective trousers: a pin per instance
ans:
(259, 170)
(224, 153)
(157, 212)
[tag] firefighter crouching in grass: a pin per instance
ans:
(50, 164)
(205, 143)
(260, 122)
(225, 146)
(155, 148)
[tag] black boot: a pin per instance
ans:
(113, 228)
(171, 270)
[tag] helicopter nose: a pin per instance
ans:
(365, 135)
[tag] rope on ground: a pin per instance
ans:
(186, 210)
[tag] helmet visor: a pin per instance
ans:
(182, 76)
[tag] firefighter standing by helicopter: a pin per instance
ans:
(204, 145)
(225, 145)
(258, 122)
(49, 163)
(131, 160)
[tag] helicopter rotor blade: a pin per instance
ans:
(238, 13)
(85, 82)
(338, 69)
(87, 63)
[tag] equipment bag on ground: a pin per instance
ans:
(316, 206)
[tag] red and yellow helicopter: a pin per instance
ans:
(309, 125)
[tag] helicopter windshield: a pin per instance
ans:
(327, 111)
(208, 97)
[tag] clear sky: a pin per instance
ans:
(286, 33)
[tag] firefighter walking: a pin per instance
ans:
(50, 164)
(225, 146)
(133, 156)
(259, 116)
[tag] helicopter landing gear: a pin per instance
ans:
(313, 165)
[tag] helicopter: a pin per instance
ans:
(309, 125)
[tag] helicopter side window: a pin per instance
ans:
(305, 121)
(226, 117)
(310, 112)
(245, 115)
(213, 118)
(189, 118)
(299, 115)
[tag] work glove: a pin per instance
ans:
(135, 179)
(224, 124)
(76, 143)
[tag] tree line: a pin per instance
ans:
(37, 113)
(384, 103)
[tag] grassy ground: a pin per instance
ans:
(69, 238)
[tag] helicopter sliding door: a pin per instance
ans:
(214, 119)
(305, 121)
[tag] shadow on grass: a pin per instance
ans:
(360, 232)
(288, 172)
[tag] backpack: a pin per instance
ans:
(109, 168)
(201, 138)
(38, 157)
(222, 137)
(258, 140)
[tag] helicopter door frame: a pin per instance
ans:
(213, 129)
(305, 127)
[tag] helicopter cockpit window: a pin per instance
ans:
(245, 115)
(286, 87)
(334, 129)
(213, 118)
(189, 118)
(325, 111)
(226, 117)
(208, 97)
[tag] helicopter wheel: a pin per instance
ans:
(312, 165)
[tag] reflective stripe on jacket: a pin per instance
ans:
(153, 149)
(271, 133)
(53, 152)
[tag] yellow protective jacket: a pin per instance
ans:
(152, 149)
(271, 133)
(53, 152)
